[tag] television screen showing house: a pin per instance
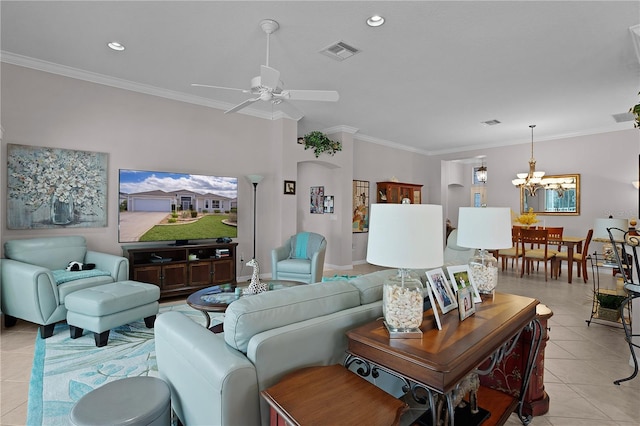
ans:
(165, 206)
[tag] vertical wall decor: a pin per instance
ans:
(317, 199)
(328, 204)
(53, 188)
(360, 221)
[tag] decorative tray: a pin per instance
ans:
(219, 298)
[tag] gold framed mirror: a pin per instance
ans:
(556, 195)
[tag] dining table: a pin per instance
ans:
(573, 244)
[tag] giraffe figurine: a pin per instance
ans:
(256, 286)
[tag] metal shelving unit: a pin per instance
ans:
(599, 262)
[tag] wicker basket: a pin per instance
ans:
(608, 314)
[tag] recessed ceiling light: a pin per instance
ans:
(116, 46)
(375, 21)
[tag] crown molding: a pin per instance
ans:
(390, 144)
(614, 127)
(78, 74)
(65, 71)
(341, 129)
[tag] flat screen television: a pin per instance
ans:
(178, 208)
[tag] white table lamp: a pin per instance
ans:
(405, 236)
(601, 235)
(600, 229)
(484, 228)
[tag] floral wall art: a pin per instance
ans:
(53, 188)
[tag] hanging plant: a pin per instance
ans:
(320, 143)
(635, 110)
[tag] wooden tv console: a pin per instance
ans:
(175, 270)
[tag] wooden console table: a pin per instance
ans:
(438, 362)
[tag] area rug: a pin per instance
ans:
(65, 369)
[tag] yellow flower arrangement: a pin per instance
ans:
(527, 219)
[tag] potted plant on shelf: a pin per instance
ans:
(635, 110)
(320, 143)
(609, 306)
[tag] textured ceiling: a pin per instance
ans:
(425, 80)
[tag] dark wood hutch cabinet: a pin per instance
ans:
(182, 270)
(394, 192)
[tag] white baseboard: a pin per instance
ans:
(328, 267)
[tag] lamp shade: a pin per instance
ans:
(484, 227)
(405, 236)
(255, 179)
(600, 228)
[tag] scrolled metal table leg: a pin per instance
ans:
(536, 339)
(628, 336)
(207, 319)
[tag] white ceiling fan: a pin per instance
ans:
(268, 86)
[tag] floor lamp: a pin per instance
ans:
(254, 180)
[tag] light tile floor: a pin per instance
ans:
(581, 361)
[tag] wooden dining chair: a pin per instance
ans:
(555, 240)
(555, 236)
(580, 259)
(512, 253)
(535, 238)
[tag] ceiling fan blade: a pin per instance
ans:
(242, 105)
(219, 87)
(291, 110)
(269, 77)
(310, 95)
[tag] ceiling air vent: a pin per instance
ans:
(623, 116)
(490, 122)
(339, 51)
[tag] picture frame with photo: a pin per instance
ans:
(461, 277)
(466, 306)
(328, 203)
(442, 291)
(434, 308)
(290, 187)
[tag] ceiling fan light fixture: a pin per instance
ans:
(117, 46)
(375, 21)
(267, 87)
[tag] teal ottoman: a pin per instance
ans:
(99, 309)
(134, 401)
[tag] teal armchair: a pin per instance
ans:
(301, 258)
(30, 289)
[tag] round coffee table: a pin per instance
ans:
(208, 300)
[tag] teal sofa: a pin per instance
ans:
(216, 379)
